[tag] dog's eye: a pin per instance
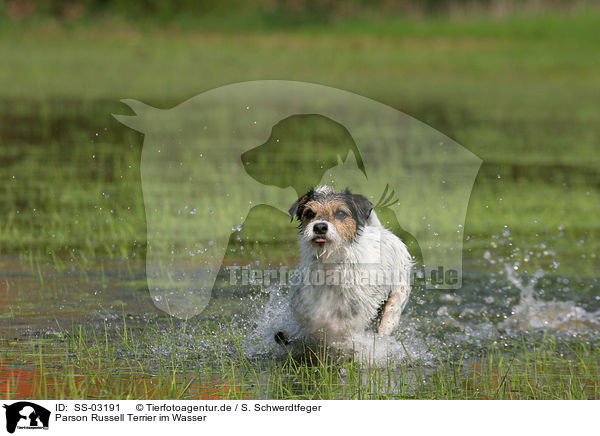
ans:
(340, 214)
(309, 214)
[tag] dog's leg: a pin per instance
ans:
(390, 315)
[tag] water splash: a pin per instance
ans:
(272, 317)
(532, 313)
(276, 315)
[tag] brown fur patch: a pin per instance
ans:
(326, 210)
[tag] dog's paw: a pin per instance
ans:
(281, 338)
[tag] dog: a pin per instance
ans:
(353, 274)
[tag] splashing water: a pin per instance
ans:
(276, 316)
(490, 309)
(486, 311)
(531, 313)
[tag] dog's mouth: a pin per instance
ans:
(319, 240)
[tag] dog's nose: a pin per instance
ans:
(320, 228)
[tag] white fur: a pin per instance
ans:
(335, 310)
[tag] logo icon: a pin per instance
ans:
(26, 415)
(200, 179)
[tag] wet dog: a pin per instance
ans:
(353, 274)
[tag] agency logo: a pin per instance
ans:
(207, 162)
(26, 415)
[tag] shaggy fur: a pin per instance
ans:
(353, 273)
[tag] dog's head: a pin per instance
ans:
(329, 219)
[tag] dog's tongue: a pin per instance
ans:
(320, 240)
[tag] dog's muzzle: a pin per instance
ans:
(320, 232)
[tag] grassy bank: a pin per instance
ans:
(96, 364)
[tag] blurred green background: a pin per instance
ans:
(517, 83)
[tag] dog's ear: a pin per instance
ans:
(362, 208)
(298, 207)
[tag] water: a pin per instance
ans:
(491, 308)
(533, 313)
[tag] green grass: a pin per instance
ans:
(102, 364)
